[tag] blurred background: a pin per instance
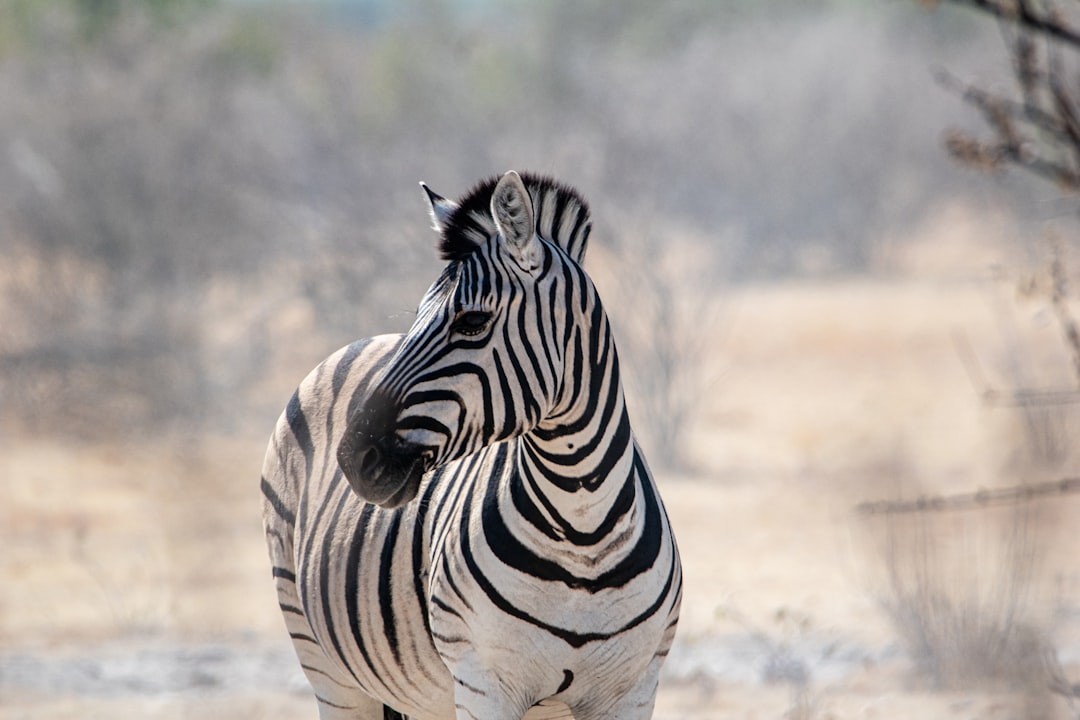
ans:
(201, 199)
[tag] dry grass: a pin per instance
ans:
(960, 595)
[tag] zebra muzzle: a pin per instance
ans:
(370, 460)
(386, 471)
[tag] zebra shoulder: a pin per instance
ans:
(334, 388)
(319, 408)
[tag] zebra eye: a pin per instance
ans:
(471, 322)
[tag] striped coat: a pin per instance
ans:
(459, 520)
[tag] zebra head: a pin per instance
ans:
(487, 358)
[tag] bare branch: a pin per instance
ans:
(1039, 132)
(983, 101)
(1023, 15)
(973, 500)
(1021, 398)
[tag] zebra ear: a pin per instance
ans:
(512, 209)
(440, 208)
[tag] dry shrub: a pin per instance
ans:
(963, 580)
(959, 592)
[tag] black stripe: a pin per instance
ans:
(282, 511)
(324, 701)
(470, 688)
(360, 391)
(419, 576)
(546, 336)
(462, 709)
(386, 598)
(450, 640)
(574, 639)
(538, 374)
(280, 572)
(575, 351)
(510, 421)
(300, 430)
(619, 507)
(531, 409)
(528, 510)
(327, 557)
(558, 469)
(342, 371)
(353, 567)
(551, 336)
(568, 678)
(344, 367)
(317, 521)
(570, 241)
(561, 200)
(584, 241)
(451, 491)
(444, 606)
(448, 573)
(510, 551)
(328, 676)
(597, 351)
(458, 370)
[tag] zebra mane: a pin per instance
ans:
(561, 214)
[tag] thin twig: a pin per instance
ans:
(1046, 106)
(1029, 112)
(1023, 397)
(1022, 14)
(971, 501)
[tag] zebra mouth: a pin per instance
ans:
(386, 472)
(410, 486)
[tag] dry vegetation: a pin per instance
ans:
(236, 184)
(200, 201)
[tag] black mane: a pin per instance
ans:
(561, 214)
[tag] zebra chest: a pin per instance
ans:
(532, 639)
(501, 610)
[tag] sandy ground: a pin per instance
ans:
(136, 584)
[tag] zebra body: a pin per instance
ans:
(459, 520)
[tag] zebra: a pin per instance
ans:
(459, 520)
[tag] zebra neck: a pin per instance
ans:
(571, 462)
(578, 467)
(579, 485)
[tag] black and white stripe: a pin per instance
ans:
(460, 522)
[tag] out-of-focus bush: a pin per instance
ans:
(199, 199)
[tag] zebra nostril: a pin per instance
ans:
(369, 461)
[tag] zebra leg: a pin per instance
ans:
(473, 703)
(635, 704)
(359, 707)
(338, 697)
(478, 695)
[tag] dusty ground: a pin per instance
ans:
(135, 581)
